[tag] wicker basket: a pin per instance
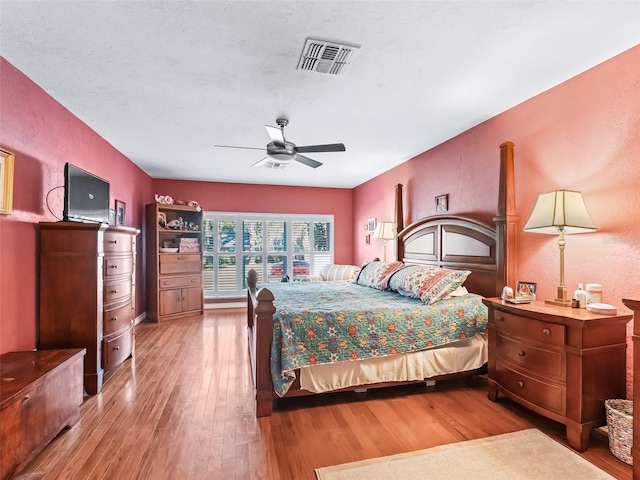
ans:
(620, 428)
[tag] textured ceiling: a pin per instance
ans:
(165, 81)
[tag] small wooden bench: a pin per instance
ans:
(40, 394)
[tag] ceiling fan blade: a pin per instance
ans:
(331, 147)
(308, 161)
(261, 162)
(275, 134)
(246, 148)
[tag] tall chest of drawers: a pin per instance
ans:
(560, 362)
(87, 294)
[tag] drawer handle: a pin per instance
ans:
(500, 319)
(180, 258)
(112, 241)
(113, 291)
(521, 384)
(522, 353)
(546, 331)
(114, 319)
(113, 266)
(116, 348)
(166, 283)
(26, 398)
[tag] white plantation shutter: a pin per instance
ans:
(274, 245)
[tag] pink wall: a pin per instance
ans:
(234, 197)
(44, 135)
(582, 135)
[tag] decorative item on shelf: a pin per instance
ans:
(385, 231)
(120, 212)
(164, 199)
(176, 224)
(560, 212)
(594, 293)
(442, 203)
(580, 295)
(189, 245)
(162, 220)
(507, 293)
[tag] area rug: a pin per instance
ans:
(527, 454)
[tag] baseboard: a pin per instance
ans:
(140, 318)
(217, 305)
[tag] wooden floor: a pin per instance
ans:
(183, 409)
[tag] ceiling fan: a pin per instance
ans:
(280, 151)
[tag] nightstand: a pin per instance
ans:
(560, 362)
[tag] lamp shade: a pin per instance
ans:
(560, 210)
(384, 231)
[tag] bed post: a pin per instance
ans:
(398, 220)
(260, 310)
(506, 220)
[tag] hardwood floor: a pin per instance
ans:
(183, 409)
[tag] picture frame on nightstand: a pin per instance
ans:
(526, 289)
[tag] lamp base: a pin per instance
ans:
(558, 301)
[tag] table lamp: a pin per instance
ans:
(385, 231)
(560, 212)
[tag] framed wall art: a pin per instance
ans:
(442, 203)
(120, 212)
(371, 225)
(6, 181)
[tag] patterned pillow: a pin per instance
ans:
(431, 284)
(399, 278)
(377, 274)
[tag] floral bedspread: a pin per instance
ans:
(327, 322)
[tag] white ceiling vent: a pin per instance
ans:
(326, 57)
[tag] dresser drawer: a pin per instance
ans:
(538, 361)
(114, 291)
(116, 319)
(117, 265)
(178, 282)
(534, 330)
(181, 263)
(116, 242)
(546, 395)
(116, 350)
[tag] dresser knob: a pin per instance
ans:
(112, 241)
(522, 353)
(113, 291)
(26, 398)
(113, 266)
(521, 384)
(114, 319)
(500, 319)
(546, 331)
(117, 348)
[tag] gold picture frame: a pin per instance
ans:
(6, 181)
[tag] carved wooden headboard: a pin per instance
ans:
(463, 243)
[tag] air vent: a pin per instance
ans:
(326, 57)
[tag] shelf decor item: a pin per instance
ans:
(560, 212)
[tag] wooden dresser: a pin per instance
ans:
(634, 304)
(174, 261)
(560, 362)
(87, 294)
(40, 395)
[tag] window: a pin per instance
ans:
(276, 246)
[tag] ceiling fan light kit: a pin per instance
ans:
(280, 151)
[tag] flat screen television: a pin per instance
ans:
(86, 197)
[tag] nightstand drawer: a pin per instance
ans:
(526, 328)
(546, 395)
(538, 361)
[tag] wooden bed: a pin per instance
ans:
(454, 242)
